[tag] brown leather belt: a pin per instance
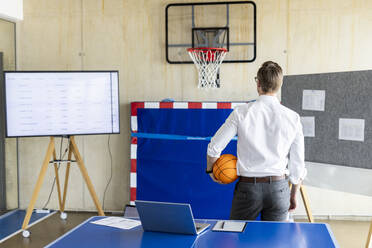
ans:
(267, 179)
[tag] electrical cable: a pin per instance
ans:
(108, 183)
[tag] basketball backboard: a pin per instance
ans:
(231, 25)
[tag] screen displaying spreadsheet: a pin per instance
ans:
(61, 103)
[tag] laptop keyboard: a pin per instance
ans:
(201, 225)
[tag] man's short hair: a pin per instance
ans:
(270, 76)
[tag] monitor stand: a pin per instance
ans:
(62, 200)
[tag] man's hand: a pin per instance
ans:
(210, 162)
(214, 179)
(293, 200)
(293, 203)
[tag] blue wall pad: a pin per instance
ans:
(190, 122)
(11, 222)
(173, 170)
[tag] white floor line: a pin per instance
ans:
(9, 213)
(33, 223)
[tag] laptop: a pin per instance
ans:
(168, 217)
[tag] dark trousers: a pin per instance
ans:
(271, 199)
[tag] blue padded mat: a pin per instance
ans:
(191, 122)
(174, 170)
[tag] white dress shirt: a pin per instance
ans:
(270, 137)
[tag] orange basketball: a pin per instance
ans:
(224, 169)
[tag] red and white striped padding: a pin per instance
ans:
(168, 105)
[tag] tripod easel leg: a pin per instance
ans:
(39, 182)
(57, 179)
(84, 172)
(306, 204)
(369, 236)
(66, 178)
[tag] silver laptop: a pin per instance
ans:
(168, 217)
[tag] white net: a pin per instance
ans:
(207, 61)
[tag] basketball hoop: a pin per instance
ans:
(207, 61)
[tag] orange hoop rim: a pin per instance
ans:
(206, 49)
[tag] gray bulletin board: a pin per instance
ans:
(347, 95)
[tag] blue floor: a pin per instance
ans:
(11, 222)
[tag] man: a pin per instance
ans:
(270, 149)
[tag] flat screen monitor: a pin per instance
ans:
(59, 103)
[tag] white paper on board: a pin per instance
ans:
(351, 129)
(308, 125)
(313, 100)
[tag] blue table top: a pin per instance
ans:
(256, 234)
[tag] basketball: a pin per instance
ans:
(224, 169)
